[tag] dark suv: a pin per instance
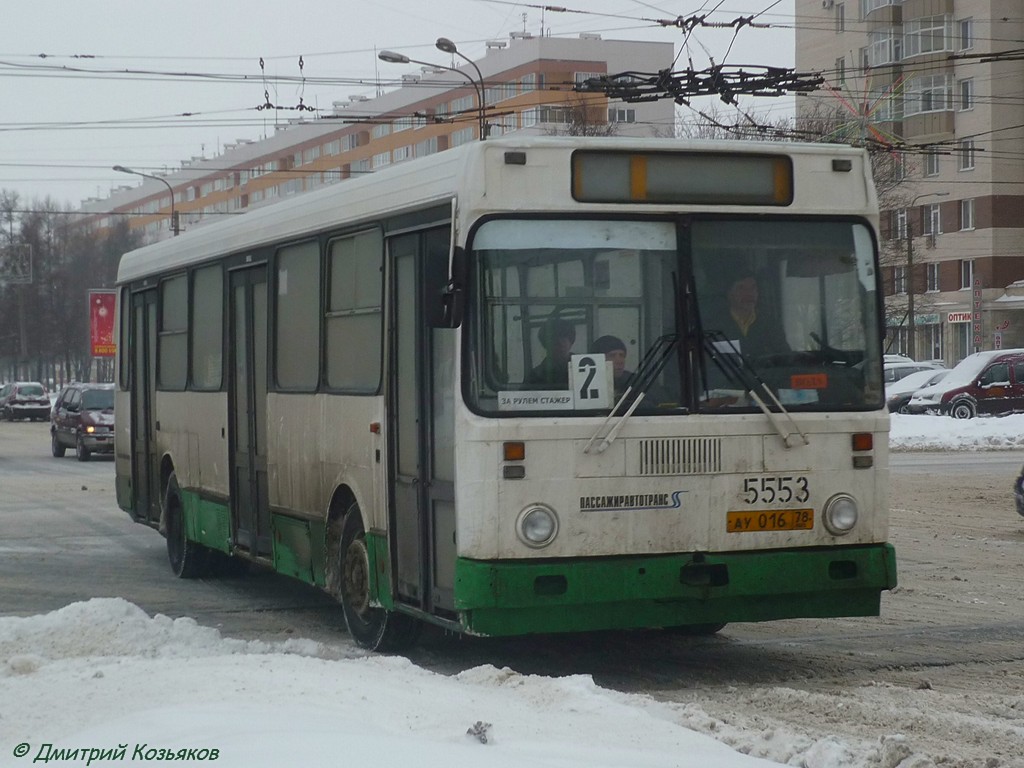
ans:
(83, 418)
(24, 400)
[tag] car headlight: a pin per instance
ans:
(537, 525)
(840, 514)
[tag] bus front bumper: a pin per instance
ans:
(517, 598)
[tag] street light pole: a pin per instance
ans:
(911, 323)
(393, 57)
(446, 45)
(175, 224)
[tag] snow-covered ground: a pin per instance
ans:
(941, 433)
(103, 675)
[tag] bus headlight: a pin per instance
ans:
(840, 515)
(537, 525)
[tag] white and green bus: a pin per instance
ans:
(362, 388)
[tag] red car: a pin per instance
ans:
(24, 400)
(83, 419)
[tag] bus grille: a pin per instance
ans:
(680, 456)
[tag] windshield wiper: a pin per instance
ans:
(651, 365)
(738, 369)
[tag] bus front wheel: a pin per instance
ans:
(375, 629)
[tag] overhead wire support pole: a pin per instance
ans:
(175, 223)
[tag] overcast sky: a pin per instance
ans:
(73, 106)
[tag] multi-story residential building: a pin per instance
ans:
(945, 78)
(526, 83)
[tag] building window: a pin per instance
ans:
(841, 70)
(932, 220)
(463, 104)
(463, 136)
(620, 115)
(931, 277)
(381, 159)
(380, 131)
(930, 34)
(884, 47)
(840, 17)
(967, 94)
(967, 214)
(401, 153)
(933, 93)
(528, 83)
(931, 164)
(966, 150)
(333, 147)
(933, 340)
(900, 224)
(582, 77)
(966, 274)
(899, 280)
(428, 147)
(966, 41)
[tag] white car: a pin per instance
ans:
(898, 393)
(894, 371)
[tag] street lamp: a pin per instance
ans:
(911, 324)
(175, 223)
(446, 45)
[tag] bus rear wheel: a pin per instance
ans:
(375, 629)
(188, 559)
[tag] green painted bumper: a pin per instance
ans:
(671, 590)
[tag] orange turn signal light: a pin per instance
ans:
(513, 451)
(863, 441)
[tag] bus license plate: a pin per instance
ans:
(771, 520)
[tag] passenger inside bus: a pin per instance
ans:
(614, 349)
(557, 337)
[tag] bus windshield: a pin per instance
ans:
(574, 315)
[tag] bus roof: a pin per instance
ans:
(416, 184)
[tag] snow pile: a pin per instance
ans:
(173, 685)
(934, 433)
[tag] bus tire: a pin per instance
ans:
(188, 559)
(375, 629)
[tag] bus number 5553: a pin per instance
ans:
(775, 490)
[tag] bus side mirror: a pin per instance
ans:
(454, 297)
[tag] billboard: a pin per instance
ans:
(101, 323)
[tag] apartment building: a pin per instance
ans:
(945, 77)
(526, 83)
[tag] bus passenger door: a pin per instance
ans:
(421, 398)
(145, 459)
(247, 403)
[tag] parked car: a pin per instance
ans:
(896, 370)
(83, 418)
(990, 383)
(24, 400)
(898, 393)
